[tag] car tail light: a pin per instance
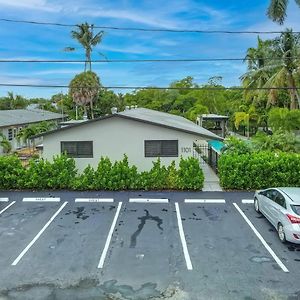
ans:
(293, 219)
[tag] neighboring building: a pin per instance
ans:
(142, 134)
(220, 123)
(13, 121)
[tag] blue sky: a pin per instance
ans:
(23, 41)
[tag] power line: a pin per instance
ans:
(148, 29)
(135, 60)
(150, 88)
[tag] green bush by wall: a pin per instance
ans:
(62, 174)
(259, 170)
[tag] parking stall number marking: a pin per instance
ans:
(5, 199)
(247, 201)
(95, 200)
(218, 201)
(42, 199)
(146, 200)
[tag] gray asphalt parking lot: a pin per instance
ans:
(136, 249)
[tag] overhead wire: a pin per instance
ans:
(136, 60)
(149, 87)
(147, 29)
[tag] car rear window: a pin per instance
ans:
(296, 209)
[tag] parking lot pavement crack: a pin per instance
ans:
(143, 220)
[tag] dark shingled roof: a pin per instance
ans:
(24, 116)
(152, 117)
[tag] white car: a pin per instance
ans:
(281, 206)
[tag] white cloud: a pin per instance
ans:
(30, 4)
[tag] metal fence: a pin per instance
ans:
(206, 155)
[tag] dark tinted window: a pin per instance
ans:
(296, 209)
(161, 148)
(280, 200)
(271, 194)
(80, 149)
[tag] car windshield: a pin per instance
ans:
(296, 209)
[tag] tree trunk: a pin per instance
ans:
(92, 108)
(295, 100)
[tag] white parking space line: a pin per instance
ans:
(5, 199)
(247, 201)
(42, 199)
(278, 261)
(148, 200)
(38, 235)
(204, 201)
(109, 236)
(95, 200)
(183, 240)
(7, 207)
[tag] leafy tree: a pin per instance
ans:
(4, 143)
(245, 118)
(88, 40)
(84, 89)
(277, 10)
(284, 119)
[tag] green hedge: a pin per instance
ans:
(259, 170)
(62, 174)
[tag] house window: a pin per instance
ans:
(15, 132)
(10, 134)
(161, 148)
(82, 149)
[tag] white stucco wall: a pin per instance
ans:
(115, 137)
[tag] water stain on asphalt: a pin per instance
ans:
(293, 248)
(112, 207)
(271, 229)
(90, 288)
(144, 219)
(79, 212)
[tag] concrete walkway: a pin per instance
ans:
(211, 180)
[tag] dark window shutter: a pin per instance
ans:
(81, 149)
(161, 148)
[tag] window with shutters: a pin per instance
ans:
(81, 149)
(161, 148)
(10, 134)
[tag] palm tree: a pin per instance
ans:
(85, 36)
(243, 117)
(257, 75)
(277, 10)
(285, 71)
(84, 88)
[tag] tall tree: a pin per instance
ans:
(285, 71)
(277, 10)
(88, 40)
(84, 89)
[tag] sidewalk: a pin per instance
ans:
(211, 180)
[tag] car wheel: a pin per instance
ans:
(281, 233)
(256, 205)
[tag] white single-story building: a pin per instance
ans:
(14, 120)
(142, 134)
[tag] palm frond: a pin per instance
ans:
(277, 10)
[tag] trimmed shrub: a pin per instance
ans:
(42, 174)
(62, 174)
(190, 174)
(11, 171)
(259, 170)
